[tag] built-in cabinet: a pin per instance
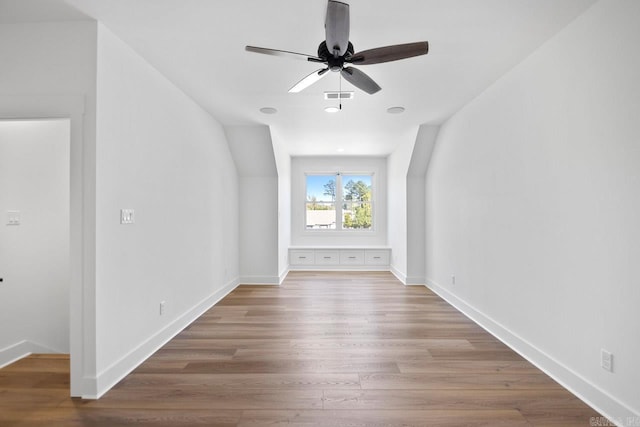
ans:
(356, 258)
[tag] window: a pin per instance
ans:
(339, 202)
(321, 202)
(356, 202)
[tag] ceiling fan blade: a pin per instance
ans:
(336, 27)
(276, 52)
(360, 80)
(389, 53)
(309, 80)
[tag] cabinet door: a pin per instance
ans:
(351, 257)
(326, 257)
(376, 257)
(301, 257)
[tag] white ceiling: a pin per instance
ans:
(199, 45)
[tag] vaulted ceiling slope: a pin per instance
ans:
(199, 45)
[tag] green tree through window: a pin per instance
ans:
(357, 203)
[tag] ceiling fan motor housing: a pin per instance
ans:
(335, 64)
(337, 50)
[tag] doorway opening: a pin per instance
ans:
(35, 170)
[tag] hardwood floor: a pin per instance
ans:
(323, 349)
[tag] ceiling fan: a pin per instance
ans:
(337, 50)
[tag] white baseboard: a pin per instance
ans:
(407, 280)
(118, 370)
(339, 268)
(260, 280)
(283, 275)
(399, 275)
(17, 351)
(601, 401)
(415, 281)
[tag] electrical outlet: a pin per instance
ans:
(606, 360)
(161, 308)
(453, 279)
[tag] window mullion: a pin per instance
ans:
(338, 204)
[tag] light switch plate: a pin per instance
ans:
(606, 360)
(127, 216)
(13, 217)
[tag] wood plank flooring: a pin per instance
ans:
(323, 349)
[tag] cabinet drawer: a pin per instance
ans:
(327, 257)
(351, 257)
(301, 257)
(376, 257)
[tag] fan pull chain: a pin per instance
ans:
(340, 90)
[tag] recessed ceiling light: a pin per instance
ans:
(268, 110)
(340, 150)
(395, 110)
(331, 109)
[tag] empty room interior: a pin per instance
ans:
(358, 212)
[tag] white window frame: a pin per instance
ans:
(338, 202)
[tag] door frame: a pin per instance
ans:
(81, 224)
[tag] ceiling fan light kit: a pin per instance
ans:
(336, 51)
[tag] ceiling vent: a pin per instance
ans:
(338, 95)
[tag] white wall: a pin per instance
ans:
(406, 169)
(302, 165)
(397, 168)
(49, 58)
(34, 255)
(283, 164)
(49, 70)
(416, 204)
(259, 230)
(252, 151)
(533, 203)
(160, 154)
